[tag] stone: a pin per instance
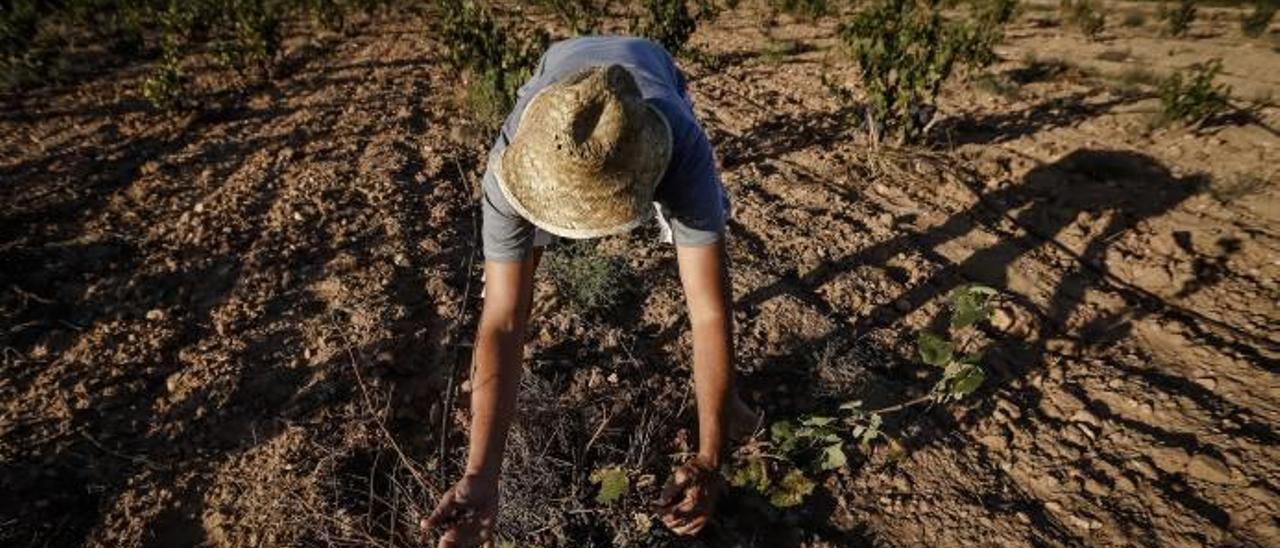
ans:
(1096, 488)
(1171, 460)
(996, 442)
(1086, 417)
(1208, 468)
(173, 382)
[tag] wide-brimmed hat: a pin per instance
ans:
(587, 156)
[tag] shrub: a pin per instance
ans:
(1255, 22)
(253, 35)
(1179, 17)
(498, 60)
(802, 8)
(581, 16)
(667, 22)
(1084, 15)
(1192, 97)
(163, 87)
(240, 34)
(906, 51)
(592, 282)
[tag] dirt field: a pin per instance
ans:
(249, 325)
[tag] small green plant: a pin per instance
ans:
(906, 51)
(1179, 17)
(613, 483)
(1191, 96)
(1085, 15)
(816, 443)
(591, 281)
(790, 489)
(497, 60)
(1254, 23)
(163, 87)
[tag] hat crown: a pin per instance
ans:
(599, 108)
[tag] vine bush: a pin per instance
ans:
(906, 50)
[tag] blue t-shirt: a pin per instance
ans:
(689, 196)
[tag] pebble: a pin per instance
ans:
(1208, 468)
(1170, 459)
(1096, 488)
(1086, 417)
(996, 442)
(173, 382)
(1142, 466)
(155, 315)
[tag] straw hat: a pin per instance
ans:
(587, 156)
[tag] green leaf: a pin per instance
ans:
(613, 483)
(833, 457)
(817, 421)
(970, 305)
(753, 475)
(968, 381)
(934, 350)
(784, 436)
(792, 490)
(872, 430)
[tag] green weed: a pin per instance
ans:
(592, 282)
(1191, 96)
(1085, 15)
(1254, 23)
(1179, 17)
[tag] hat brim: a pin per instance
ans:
(517, 186)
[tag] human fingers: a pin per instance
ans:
(690, 527)
(443, 512)
(449, 539)
(475, 530)
(673, 491)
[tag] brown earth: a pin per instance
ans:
(248, 325)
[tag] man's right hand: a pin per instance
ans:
(466, 514)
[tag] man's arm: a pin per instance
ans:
(704, 274)
(467, 511)
(689, 499)
(499, 349)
